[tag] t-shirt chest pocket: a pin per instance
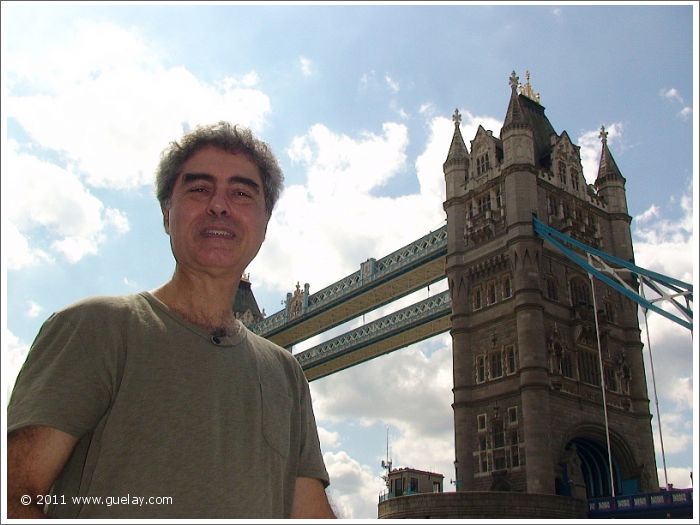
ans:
(277, 411)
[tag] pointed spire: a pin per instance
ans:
(515, 114)
(458, 149)
(607, 168)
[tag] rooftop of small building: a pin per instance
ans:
(401, 470)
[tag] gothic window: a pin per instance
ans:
(481, 422)
(507, 288)
(499, 460)
(574, 179)
(499, 198)
(512, 415)
(481, 366)
(484, 203)
(562, 173)
(609, 311)
(483, 164)
(567, 369)
(551, 288)
(496, 362)
(511, 359)
(580, 292)
(483, 462)
(498, 435)
(611, 382)
(566, 209)
(491, 293)
(515, 455)
(477, 298)
(588, 368)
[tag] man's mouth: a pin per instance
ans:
(218, 233)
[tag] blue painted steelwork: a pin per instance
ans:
(676, 503)
(652, 279)
(417, 314)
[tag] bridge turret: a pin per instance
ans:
(456, 166)
(610, 185)
(456, 170)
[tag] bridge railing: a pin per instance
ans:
(636, 502)
(411, 315)
(371, 271)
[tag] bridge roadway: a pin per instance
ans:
(377, 283)
(409, 325)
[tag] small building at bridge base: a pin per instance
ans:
(483, 505)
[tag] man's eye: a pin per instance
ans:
(198, 189)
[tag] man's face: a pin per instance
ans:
(216, 217)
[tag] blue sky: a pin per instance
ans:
(356, 100)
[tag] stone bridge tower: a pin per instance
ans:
(528, 407)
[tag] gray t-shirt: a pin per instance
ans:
(197, 426)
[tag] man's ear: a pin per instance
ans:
(166, 219)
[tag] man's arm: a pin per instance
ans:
(310, 500)
(35, 457)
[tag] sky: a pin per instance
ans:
(356, 102)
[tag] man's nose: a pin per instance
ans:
(217, 204)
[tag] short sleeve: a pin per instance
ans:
(311, 464)
(69, 377)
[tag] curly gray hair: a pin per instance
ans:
(222, 135)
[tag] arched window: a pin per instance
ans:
(491, 295)
(507, 287)
(580, 292)
(562, 173)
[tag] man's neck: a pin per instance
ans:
(205, 303)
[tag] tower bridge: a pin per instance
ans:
(550, 394)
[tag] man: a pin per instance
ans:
(161, 404)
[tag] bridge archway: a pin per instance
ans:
(584, 468)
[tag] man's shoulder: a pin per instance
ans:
(101, 306)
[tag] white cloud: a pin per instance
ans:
(591, 147)
(648, 215)
(673, 95)
(248, 80)
(33, 309)
(117, 219)
(305, 65)
(418, 409)
(20, 253)
(129, 283)
(427, 109)
(354, 489)
(679, 477)
(677, 433)
(343, 173)
(684, 114)
(49, 201)
(392, 84)
(114, 105)
(400, 111)
(328, 438)
(659, 245)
